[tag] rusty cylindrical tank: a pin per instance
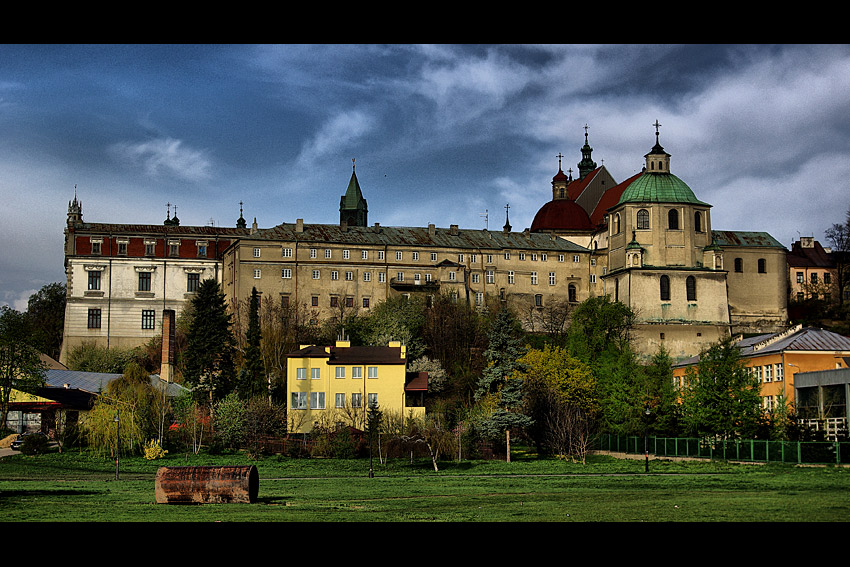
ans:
(198, 485)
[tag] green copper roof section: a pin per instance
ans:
(353, 196)
(659, 188)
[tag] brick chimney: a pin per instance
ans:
(168, 330)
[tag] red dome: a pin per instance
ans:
(561, 214)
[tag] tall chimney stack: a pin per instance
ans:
(168, 330)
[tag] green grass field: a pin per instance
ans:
(75, 487)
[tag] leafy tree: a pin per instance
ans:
(599, 325)
(720, 396)
(46, 312)
(229, 414)
(397, 318)
(659, 395)
(20, 365)
(209, 367)
(91, 357)
(562, 398)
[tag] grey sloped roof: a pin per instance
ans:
(727, 238)
(417, 236)
(95, 382)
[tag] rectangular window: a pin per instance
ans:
(489, 258)
(345, 255)
(256, 252)
(364, 254)
(380, 254)
(148, 319)
(284, 302)
(399, 277)
(780, 372)
(398, 255)
(507, 255)
(768, 373)
(339, 400)
(543, 257)
(313, 252)
(300, 373)
(460, 258)
(95, 247)
(192, 282)
(367, 276)
(522, 255)
(593, 261)
(315, 274)
(373, 400)
(94, 319)
(758, 373)
(357, 372)
(427, 277)
(349, 302)
(286, 273)
(315, 373)
(356, 400)
(491, 276)
(560, 257)
(366, 303)
(314, 301)
(286, 252)
(433, 256)
(551, 278)
(538, 300)
(334, 301)
(510, 277)
(299, 400)
(373, 371)
(340, 372)
(94, 280)
(257, 273)
(150, 248)
(417, 277)
(382, 277)
(474, 278)
(174, 248)
(122, 248)
(327, 252)
(534, 257)
(592, 278)
(334, 275)
(202, 250)
(479, 298)
(533, 278)
(452, 276)
(576, 258)
(317, 400)
(349, 276)
(144, 281)
(416, 255)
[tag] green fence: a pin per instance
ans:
(797, 452)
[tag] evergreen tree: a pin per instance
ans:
(720, 396)
(46, 312)
(209, 367)
(252, 380)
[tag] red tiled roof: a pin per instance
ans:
(609, 199)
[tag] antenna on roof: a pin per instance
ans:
(486, 216)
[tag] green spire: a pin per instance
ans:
(352, 205)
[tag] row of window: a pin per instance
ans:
(672, 221)
(94, 281)
(489, 276)
(356, 372)
(95, 317)
(827, 277)
(768, 372)
(317, 400)
(762, 265)
(399, 255)
(690, 288)
(201, 248)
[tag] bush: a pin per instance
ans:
(153, 450)
(34, 444)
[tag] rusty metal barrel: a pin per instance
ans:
(210, 485)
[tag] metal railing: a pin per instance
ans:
(748, 450)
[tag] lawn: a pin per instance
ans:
(76, 487)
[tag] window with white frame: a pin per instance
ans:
(474, 278)
(417, 277)
(327, 252)
(433, 256)
(460, 258)
(560, 257)
(768, 373)
(533, 278)
(489, 258)
(286, 273)
(313, 252)
(780, 372)
(257, 273)
(317, 400)
(315, 274)
(373, 400)
(758, 373)
(300, 373)
(357, 372)
(148, 319)
(399, 276)
(416, 255)
(340, 371)
(364, 254)
(593, 261)
(452, 276)
(380, 254)
(286, 252)
(299, 400)
(522, 255)
(473, 258)
(507, 255)
(576, 258)
(551, 278)
(534, 257)
(399, 255)
(490, 276)
(339, 400)
(256, 252)
(367, 276)
(592, 278)
(510, 277)
(427, 277)
(316, 373)
(479, 298)
(543, 257)
(94, 280)
(345, 255)
(356, 400)
(334, 275)
(349, 276)
(372, 371)
(382, 277)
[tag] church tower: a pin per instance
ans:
(586, 165)
(352, 206)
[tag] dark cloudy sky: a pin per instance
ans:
(444, 134)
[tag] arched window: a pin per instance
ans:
(665, 288)
(739, 265)
(762, 266)
(571, 293)
(617, 290)
(691, 287)
(643, 219)
(617, 223)
(698, 221)
(673, 219)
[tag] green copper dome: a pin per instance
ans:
(659, 188)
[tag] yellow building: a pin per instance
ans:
(776, 358)
(336, 385)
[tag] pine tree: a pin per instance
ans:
(252, 380)
(209, 366)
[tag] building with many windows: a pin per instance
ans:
(336, 385)
(120, 277)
